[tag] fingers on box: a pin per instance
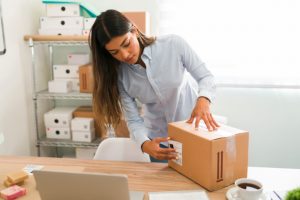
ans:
(178, 146)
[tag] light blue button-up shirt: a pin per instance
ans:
(163, 89)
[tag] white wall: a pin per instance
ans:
(272, 118)
(15, 113)
(270, 115)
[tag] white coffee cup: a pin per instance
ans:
(249, 194)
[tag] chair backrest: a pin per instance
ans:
(120, 149)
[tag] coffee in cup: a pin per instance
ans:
(249, 189)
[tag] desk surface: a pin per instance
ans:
(145, 177)
(155, 177)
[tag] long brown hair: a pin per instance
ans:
(107, 103)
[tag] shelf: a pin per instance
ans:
(57, 40)
(68, 143)
(71, 95)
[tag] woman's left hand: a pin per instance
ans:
(202, 111)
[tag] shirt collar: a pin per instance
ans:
(147, 52)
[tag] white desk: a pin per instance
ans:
(276, 179)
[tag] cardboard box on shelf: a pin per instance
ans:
(66, 71)
(82, 124)
(78, 59)
(88, 23)
(63, 10)
(83, 136)
(87, 112)
(61, 23)
(212, 159)
(141, 20)
(86, 78)
(60, 32)
(59, 86)
(59, 117)
(74, 82)
(58, 132)
(84, 153)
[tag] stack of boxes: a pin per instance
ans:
(83, 129)
(58, 122)
(66, 76)
(87, 24)
(62, 19)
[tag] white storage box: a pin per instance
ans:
(58, 132)
(63, 10)
(86, 32)
(60, 32)
(74, 82)
(59, 117)
(61, 23)
(88, 22)
(82, 124)
(59, 86)
(78, 59)
(66, 71)
(83, 136)
(83, 153)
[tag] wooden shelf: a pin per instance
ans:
(55, 38)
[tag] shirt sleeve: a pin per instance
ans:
(135, 123)
(196, 68)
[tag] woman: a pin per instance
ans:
(128, 65)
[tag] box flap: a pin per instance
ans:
(222, 132)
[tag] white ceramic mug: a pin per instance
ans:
(249, 194)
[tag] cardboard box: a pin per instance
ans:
(63, 10)
(74, 82)
(78, 59)
(60, 32)
(59, 117)
(88, 23)
(59, 86)
(83, 153)
(82, 124)
(61, 23)
(58, 132)
(86, 32)
(86, 78)
(66, 71)
(141, 20)
(83, 136)
(212, 159)
(87, 112)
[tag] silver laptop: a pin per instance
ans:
(81, 186)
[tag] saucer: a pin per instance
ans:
(233, 195)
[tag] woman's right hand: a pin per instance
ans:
(152, 148)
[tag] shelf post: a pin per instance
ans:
(31, 46)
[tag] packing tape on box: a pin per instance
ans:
(231, 158)
(229, 175)
(230, 149)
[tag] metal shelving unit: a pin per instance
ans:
(71, 95)
(50, 42)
